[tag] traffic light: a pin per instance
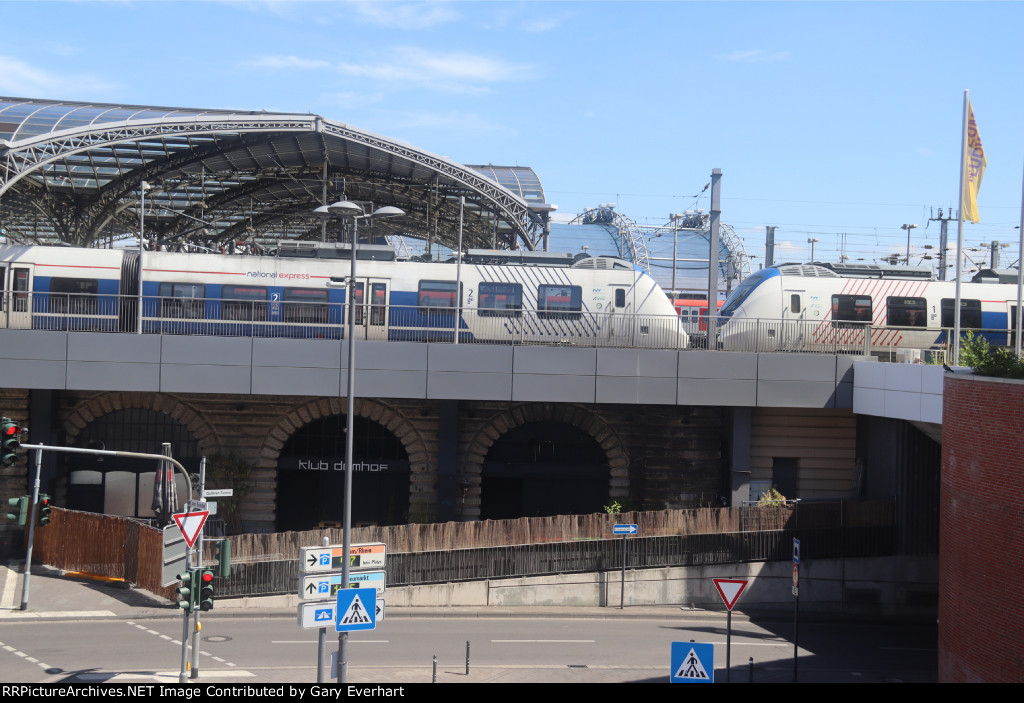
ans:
(44, 510)
(187, 591)
(223, 559)
(205, 589)
(10, 433)
(19, 509)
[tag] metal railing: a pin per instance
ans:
(322, 320)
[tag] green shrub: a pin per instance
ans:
(987, 360)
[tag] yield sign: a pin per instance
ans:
(191, 524)
(730, 590)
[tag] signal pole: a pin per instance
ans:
(943, 225)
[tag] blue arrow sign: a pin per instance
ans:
(625, 529)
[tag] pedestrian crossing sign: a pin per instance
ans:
(356, 609)
(692, 662)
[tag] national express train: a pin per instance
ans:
(299, 292)
(849, 307)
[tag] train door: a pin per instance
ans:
(17, 301)
(371, 319)
(794, 319)
(622, 320)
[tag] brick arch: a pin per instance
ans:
(193, 420)
(577, 416)
(379, 412)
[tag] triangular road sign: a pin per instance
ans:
(191, 524)
(730, 590)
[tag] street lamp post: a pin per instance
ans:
(345, 209)
(812, 241)
(908, 228)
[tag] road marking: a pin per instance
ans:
(351, 641)
(543, 641)
(178, 643)
(157, 676)
(10, 586)
(43, 665)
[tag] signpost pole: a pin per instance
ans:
(622, 584)
(321, 642)
(199, 559)
(796, 606)
(183, 674)
(31, 530)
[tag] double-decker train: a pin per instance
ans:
(807, 307)
(493, 296)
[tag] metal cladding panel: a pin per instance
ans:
(476, 358)
(618, 389)
(542, 388)
(717, 391)
(297, 353)
(43, 374)
(393, 383)
(97, 346)
(797, 367)
(619, 362)
(112, 376)
(796, 394)
(405, 356)
(205, 378)
(220, 351)
(708, 365)
(290, 380)
(35, 345)
(566, 361)
(456, 385)
(658, 363)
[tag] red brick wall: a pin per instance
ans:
(981, 537)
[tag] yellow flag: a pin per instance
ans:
(974, 156)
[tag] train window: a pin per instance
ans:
(620, 297)
(851, 309)
(73, 295)
(500, 299)
(19, 284)
(183, 300)
(907, 312)
(970, 313)
(794, 303)
(304, 305)
(559, 301)
(437, 294)
(243, 303)
(378, 303)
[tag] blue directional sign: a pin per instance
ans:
(692, 662)
(625, 529)
(356, 609)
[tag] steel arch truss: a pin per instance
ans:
(80, 185)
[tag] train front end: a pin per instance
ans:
(741, 321)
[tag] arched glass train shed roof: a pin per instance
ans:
(72, 173)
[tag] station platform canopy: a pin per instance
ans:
(72, 173)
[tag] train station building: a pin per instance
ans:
(442, 432)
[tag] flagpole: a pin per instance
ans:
(1020, 272)
(960, 233)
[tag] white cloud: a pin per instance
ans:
(404, 16)
(755, 56)
(287, 62)
(353, 100)
(20, 78)
(454, 71)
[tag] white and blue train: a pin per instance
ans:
(807, 307)
(494, 296)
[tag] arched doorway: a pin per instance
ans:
(311, 476)
(124, 485)
(543, 468)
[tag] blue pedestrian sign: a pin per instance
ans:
(692, 662)
(356, 609)
(625, 529)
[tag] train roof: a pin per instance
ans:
(832, 270)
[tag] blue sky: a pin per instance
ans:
(826, 118)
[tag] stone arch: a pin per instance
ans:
(422, 486)
(107, 403)
(471, 474)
